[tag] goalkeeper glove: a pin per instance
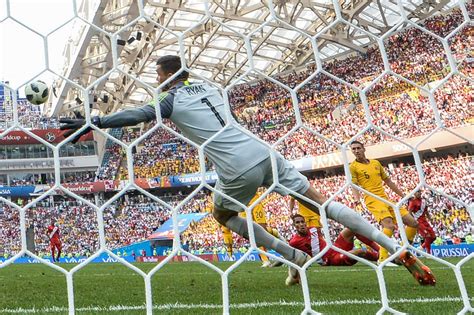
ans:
(71, 125)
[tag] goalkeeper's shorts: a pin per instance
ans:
(244, 187)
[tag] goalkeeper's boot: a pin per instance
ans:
(420, 272)
(293, 274)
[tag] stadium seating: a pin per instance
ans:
(134, 218)
(265, 109)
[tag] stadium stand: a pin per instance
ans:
(265, 109)
(134, 217)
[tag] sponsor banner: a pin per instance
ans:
(22, 191)
(460, 250)
(165, 232)
(193, 179)
(237, 256)
(49, 135)
(93, 187)
(181, 258)
(104, 258)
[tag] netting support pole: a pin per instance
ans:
(225, 295)
(148, 296)
(70, 293)
(462, 289)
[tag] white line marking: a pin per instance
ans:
(311, 270)
(174, 306)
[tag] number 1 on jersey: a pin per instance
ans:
(213, 109)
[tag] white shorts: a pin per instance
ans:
(244, 187)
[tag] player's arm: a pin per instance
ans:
(394, 187)
(411, 206)
(427, 215)
(129, 117)
(292, 204)
(389, 182)
(354, 181)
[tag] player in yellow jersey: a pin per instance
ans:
(259, 216)
(370, 175)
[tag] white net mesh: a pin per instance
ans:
(262, 46)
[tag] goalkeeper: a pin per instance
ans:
(242, 163)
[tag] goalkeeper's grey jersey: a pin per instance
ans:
(198, 111)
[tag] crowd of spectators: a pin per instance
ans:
(29, 179)
(450, 219)
(133, 218)
(29, 116)
(175, 158)
(335, 110)
(111, 162)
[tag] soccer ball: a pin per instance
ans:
(37, 92)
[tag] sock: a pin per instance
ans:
(53, 252)
(262, 237)
(263, 257)
(349, 218)
(410, 232)
(228, 241)
(383, 252)
(368, 242)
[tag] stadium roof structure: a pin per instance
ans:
(214, 44)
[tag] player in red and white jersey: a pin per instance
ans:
(311, 241)
(54, 240)
(417, 207)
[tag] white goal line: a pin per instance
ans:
(174, 306)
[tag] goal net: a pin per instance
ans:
(306, 79)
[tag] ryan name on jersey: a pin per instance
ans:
(194, 89)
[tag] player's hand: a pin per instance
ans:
(71, 125)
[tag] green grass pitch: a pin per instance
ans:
(192, 288)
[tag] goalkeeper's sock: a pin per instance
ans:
(410, 232)
(383, 252)
(349, 218)
(275, 233)
(262, 237)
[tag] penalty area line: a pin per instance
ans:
(174, 306)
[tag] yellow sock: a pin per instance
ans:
(275, 233)
(228, 241)
(263, 257)
(383, 255)
(411, 232)
(272, 231)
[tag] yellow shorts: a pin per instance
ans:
(311, 218)
(313, 221)
(258, 215)
(381, 210)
